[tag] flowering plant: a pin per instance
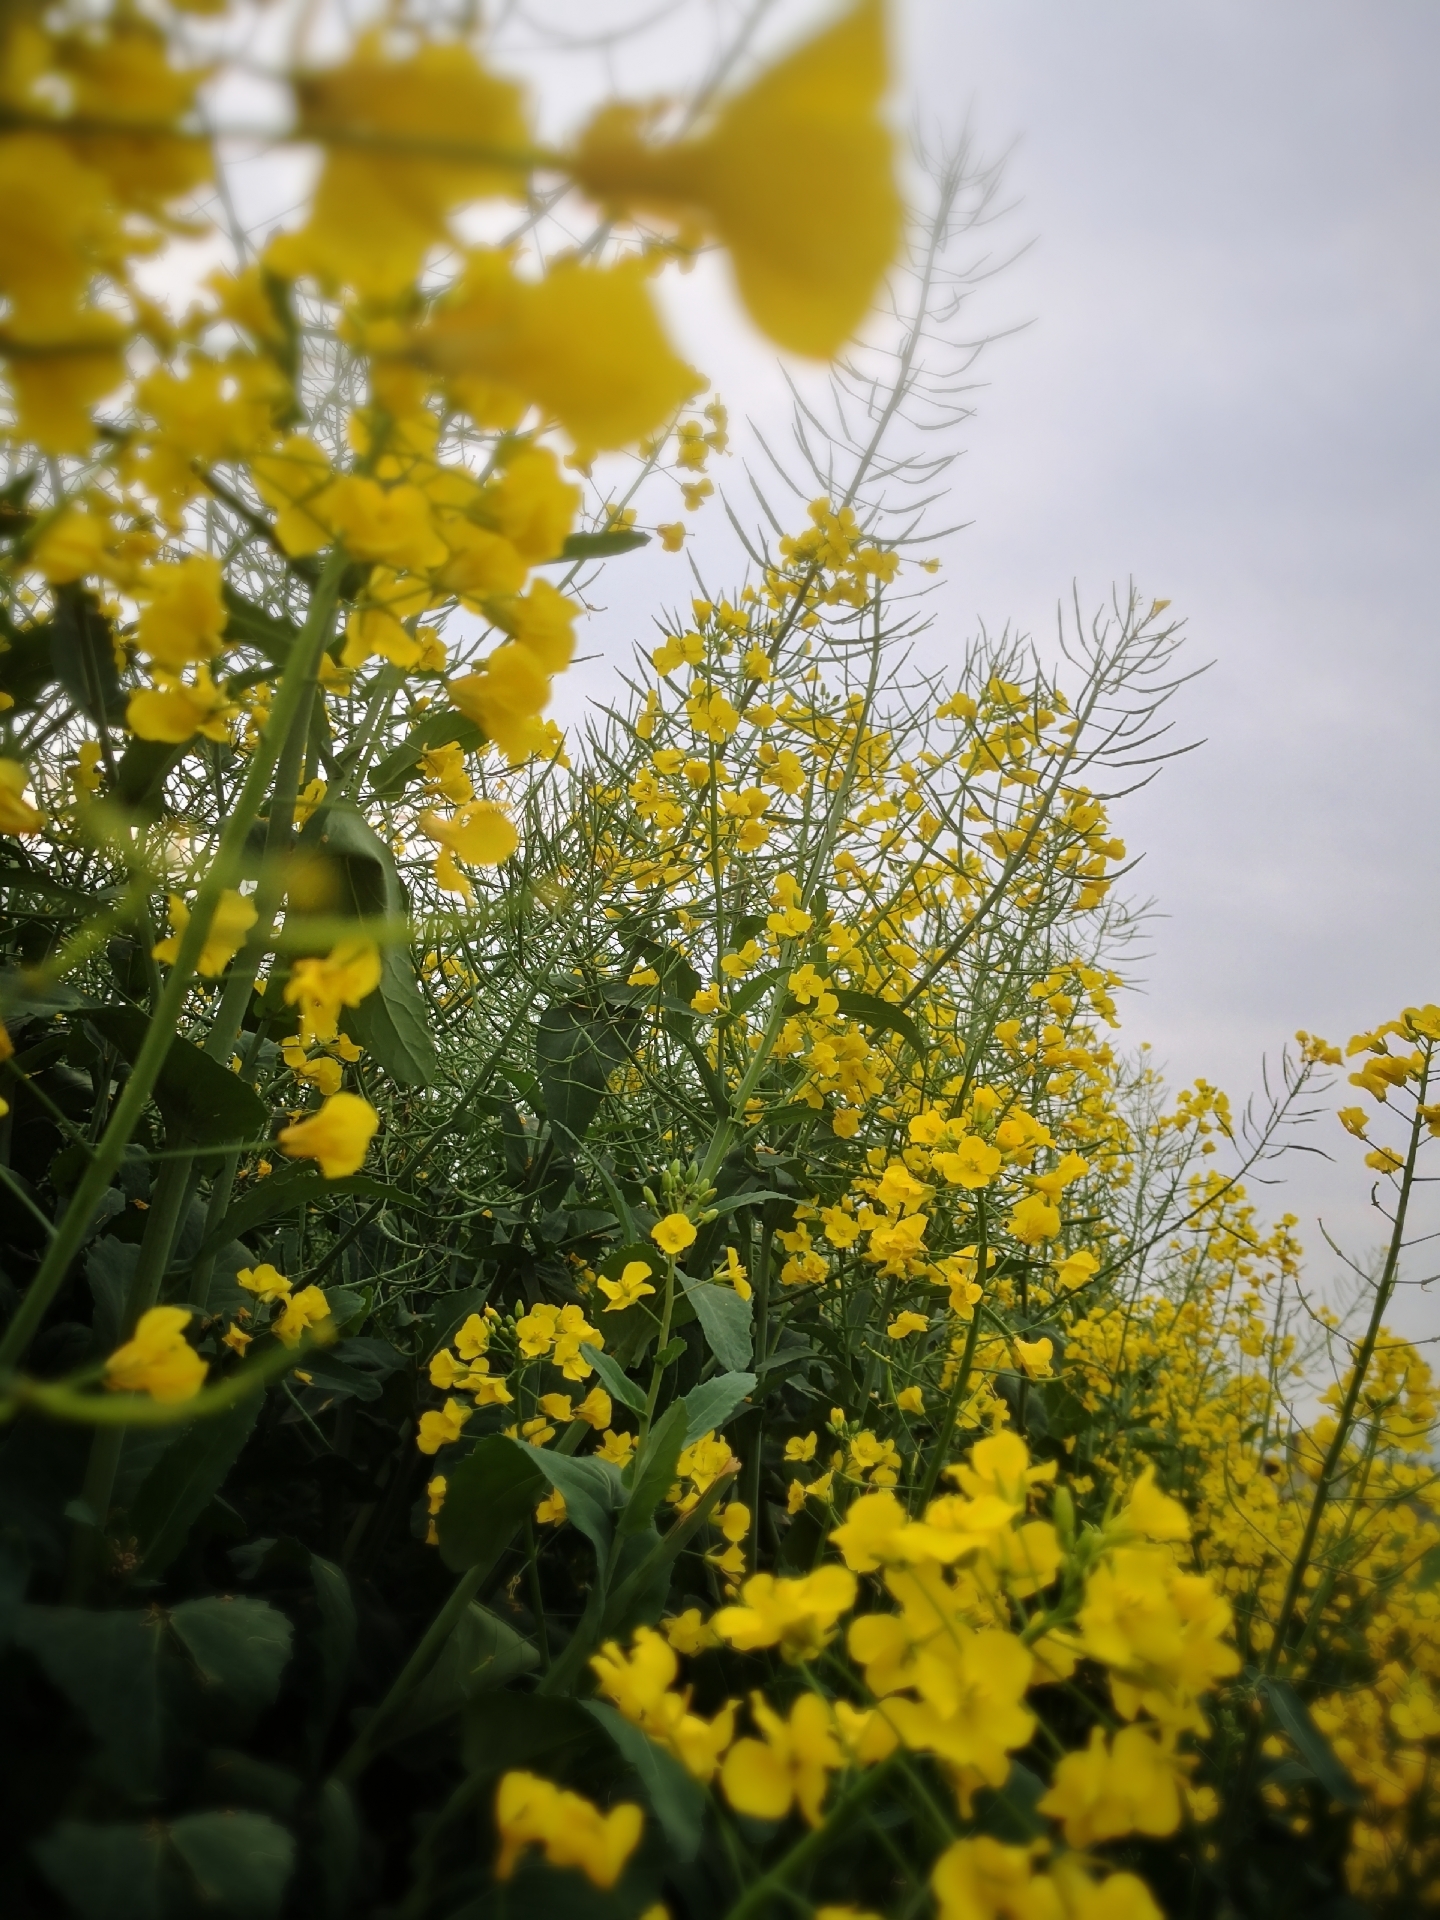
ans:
(614, 1338)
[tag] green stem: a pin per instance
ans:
(224, 869)
(414, 1670)
(962, 1378)
(1360, 1368)
(755, 1897)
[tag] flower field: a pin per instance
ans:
(608, 1327)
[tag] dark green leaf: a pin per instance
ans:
(654, 1472)
(482, 1652)
(249, 626)
(109, 1267)
(505, 1730)
(140, 775)
(184, 1480)
(1009, 1812)
(615, 1382)
(677, 1801)
(1292, 1716)
(576, 1051)
(336, 1638)
(488, 1495)
(242, 1646)
(336, 1851)
(871, 1011)
(389, 1023)
(710, 1405)
(600, 546)
(591, 1489)
(104, 1872)
(203, 1104)
(82, 654)
(725, 1320)
(242, 1862)
(107, 1667)
(402, 763)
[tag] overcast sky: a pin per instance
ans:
(1229, 391)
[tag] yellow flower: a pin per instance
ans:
(983, 1879)
(1106, 1791)
(264, 1281)
(505, 698)
(480, 833)
(907, 1323)
(794, 176)
(175, 711)
(583, 343)
(974, 1163)
(73, 545)
(551, 1511)
(303, 1310)
(438, 1429)
(232, 919)
(911, 1400)
(673, 1234)
(338, 1136)
(617, 1448)
(795, 1615)
(733, 1274)
(1034, 1219)
(571, 1832)
(632, 1285)
(158, 1359)
(596, 1409)
(790, 1766)
(378, 209)
(182, 611)
(321, 987)
(292, 481)
(1034, 1356)
(16, 813)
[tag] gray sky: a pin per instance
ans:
(1229, 392)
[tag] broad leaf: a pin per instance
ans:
(107, 1667)
(185, 1479)
(678, 1802)
(482, 1652)
(615, 1381)
(725, 1320)
(602, 546)
(576, 1051)
(241, 1862)
(391, 1022)
(871, 1011)
(239, 1645)
(402, 763)
(1292, 1716)
(710, 1405)
(591, 1489)
(488, 1495)
(104, 1871)
(203, 1104)
(654, 1472)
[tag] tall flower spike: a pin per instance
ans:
(795, 176)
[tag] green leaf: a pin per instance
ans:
(185, 1479)
(82, 653)
(505, 1730)
(601, 546)
(242, 1862)
(249, 626)
(336, 1850)
(1292, 1716)
(654, 1472)
(591, 1489)
(335, 1640)
(402, 763)
(239, 1645)
(677, 1801)
(391, 1022)
(710, 1405)
(615, 1382)
(140, 776)
(299, 1186)
(107, 1667)
(576, 1051)
(104, 1871)
(871, 1011)
(202, 1103)
(488, 1495)
(1009, 1812)
(483, 1651)
(724, 1319)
